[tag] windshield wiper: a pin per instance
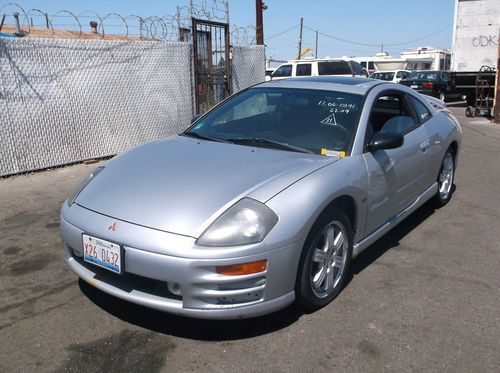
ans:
(269, 143)
(200, 136)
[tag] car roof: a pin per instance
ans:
(346, 84)
(308, 60)
(389, 71)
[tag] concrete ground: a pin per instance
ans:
(426, 297)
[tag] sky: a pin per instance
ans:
(362, 26)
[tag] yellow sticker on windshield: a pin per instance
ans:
(332, 153)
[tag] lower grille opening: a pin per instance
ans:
(128, 281)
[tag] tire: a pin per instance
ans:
(469, 112)
(445, 179)
(323, 267)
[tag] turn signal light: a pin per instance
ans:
(242, 269)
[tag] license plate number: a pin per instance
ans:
(414, 86)
(104, 254)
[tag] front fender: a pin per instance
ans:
(299, 205)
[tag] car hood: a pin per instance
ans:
(181, 184)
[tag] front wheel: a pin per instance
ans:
(325, 260)
(445, 179)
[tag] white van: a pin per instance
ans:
(319, 67)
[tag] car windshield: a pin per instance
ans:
(430, 75)
(313, 121)
(389, 75)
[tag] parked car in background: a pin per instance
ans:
(435, 83)
(263, 200)
(319, 67)
(391, 76)
(269, 72)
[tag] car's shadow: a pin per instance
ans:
(211, 330)
(390, 240)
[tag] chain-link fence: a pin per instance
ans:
(82, 86)
(63, 101)
(113, 26)
(248, 67)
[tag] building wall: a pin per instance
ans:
(475, 36)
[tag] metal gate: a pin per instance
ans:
(212, 70)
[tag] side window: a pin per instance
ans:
(371, 66)
(285, 70)
(423, 113)
(334, 68)
(399, 75)
(390, 113)
(357, 69)
(363, 64)
(303, 69)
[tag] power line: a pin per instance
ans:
(377, 45)
(282, 32)
(282, 46)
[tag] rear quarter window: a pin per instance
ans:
(423, 113)
(357, 69)
(334, 68)
(303, 69)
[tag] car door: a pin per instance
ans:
(433, 154)
(396, 176)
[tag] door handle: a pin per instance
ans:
(425, 145)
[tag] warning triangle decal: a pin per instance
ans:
(330, 120)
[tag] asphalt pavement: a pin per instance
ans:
(426, 297)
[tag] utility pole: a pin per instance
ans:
(300, 37)
(259, 29)
(316, 50)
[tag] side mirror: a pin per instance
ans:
(386, 140)
(195, 118)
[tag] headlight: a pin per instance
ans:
(247, 221)
(83, 184)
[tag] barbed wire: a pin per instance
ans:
(90, 24)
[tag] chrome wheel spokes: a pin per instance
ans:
(329, 259)
(446, 176)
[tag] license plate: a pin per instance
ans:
(414, 86)
(104, 254)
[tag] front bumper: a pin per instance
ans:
(205, 293)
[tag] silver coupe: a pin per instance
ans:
(264, 200)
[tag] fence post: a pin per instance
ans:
(496, 102)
